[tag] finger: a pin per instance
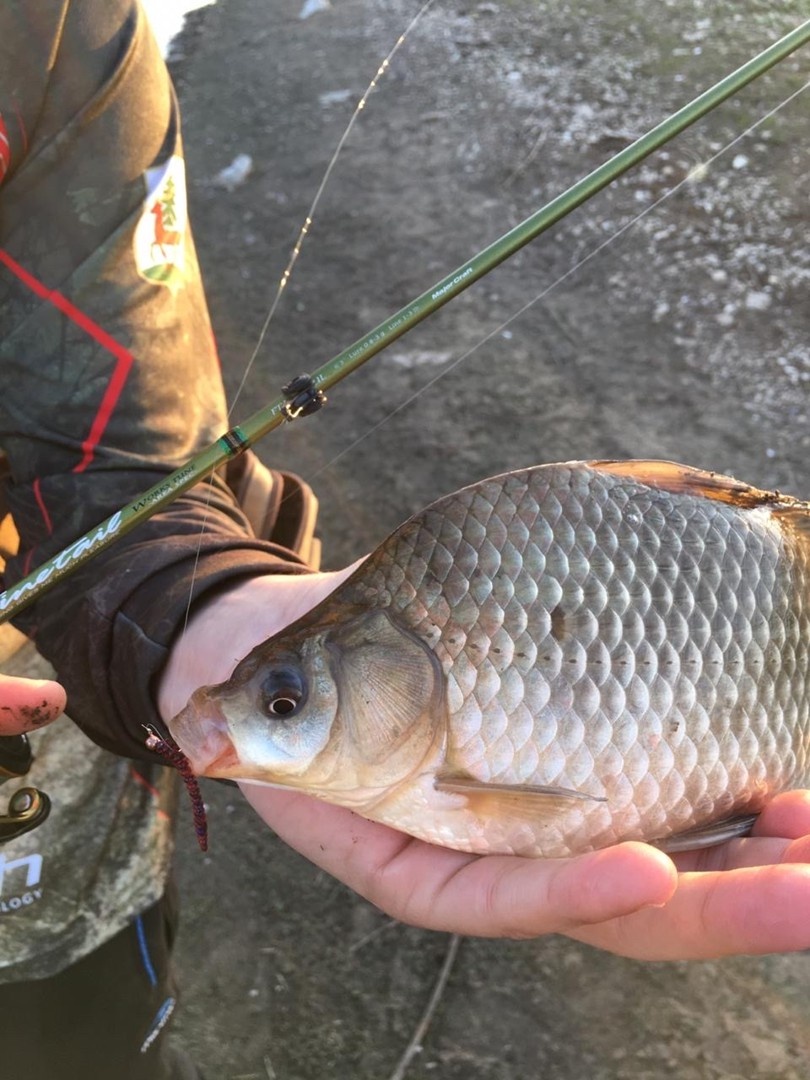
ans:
(441, 889)
(506, 896)
(787, 815)
(734, 855)
(28, 704)
(737, 854)
(776, 837)
(752, 911)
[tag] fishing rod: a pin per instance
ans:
(306, 394)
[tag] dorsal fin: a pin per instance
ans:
(683, 479)
(793, 514)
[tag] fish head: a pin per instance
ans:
(343, 708)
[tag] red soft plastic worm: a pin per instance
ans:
(171, 753)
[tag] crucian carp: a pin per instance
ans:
(545, 663)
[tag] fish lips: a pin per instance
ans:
(202, 732)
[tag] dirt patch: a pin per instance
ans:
(684, 338)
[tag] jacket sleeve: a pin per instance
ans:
(108, 369)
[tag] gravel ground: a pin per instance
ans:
(685, 338)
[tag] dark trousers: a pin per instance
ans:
(104, 1017)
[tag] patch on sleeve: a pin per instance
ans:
(159, 240)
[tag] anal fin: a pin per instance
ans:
(703, 836)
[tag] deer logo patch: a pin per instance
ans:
(159, 240)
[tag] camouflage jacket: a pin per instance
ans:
(110, 380)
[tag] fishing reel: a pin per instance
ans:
(27, 807)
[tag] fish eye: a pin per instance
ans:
(281, 693)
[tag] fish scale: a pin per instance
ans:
(603, 651)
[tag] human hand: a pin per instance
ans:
(28, 704)
(744, 896)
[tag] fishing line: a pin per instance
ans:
(693, 174)
(296, 251)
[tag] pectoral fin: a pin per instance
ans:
(707, 835)
(389, 685)
(530, 801)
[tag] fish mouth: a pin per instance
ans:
(202, 732)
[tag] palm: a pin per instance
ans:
(745, 896)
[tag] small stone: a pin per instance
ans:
(236, 173)
(333, 97)
(758, 301)
(313, 7)
(771, 1056)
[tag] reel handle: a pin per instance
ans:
(27, 807)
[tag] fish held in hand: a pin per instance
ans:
(545, 663)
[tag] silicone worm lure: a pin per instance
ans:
(171, 753)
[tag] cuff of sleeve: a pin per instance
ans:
(111, 671)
